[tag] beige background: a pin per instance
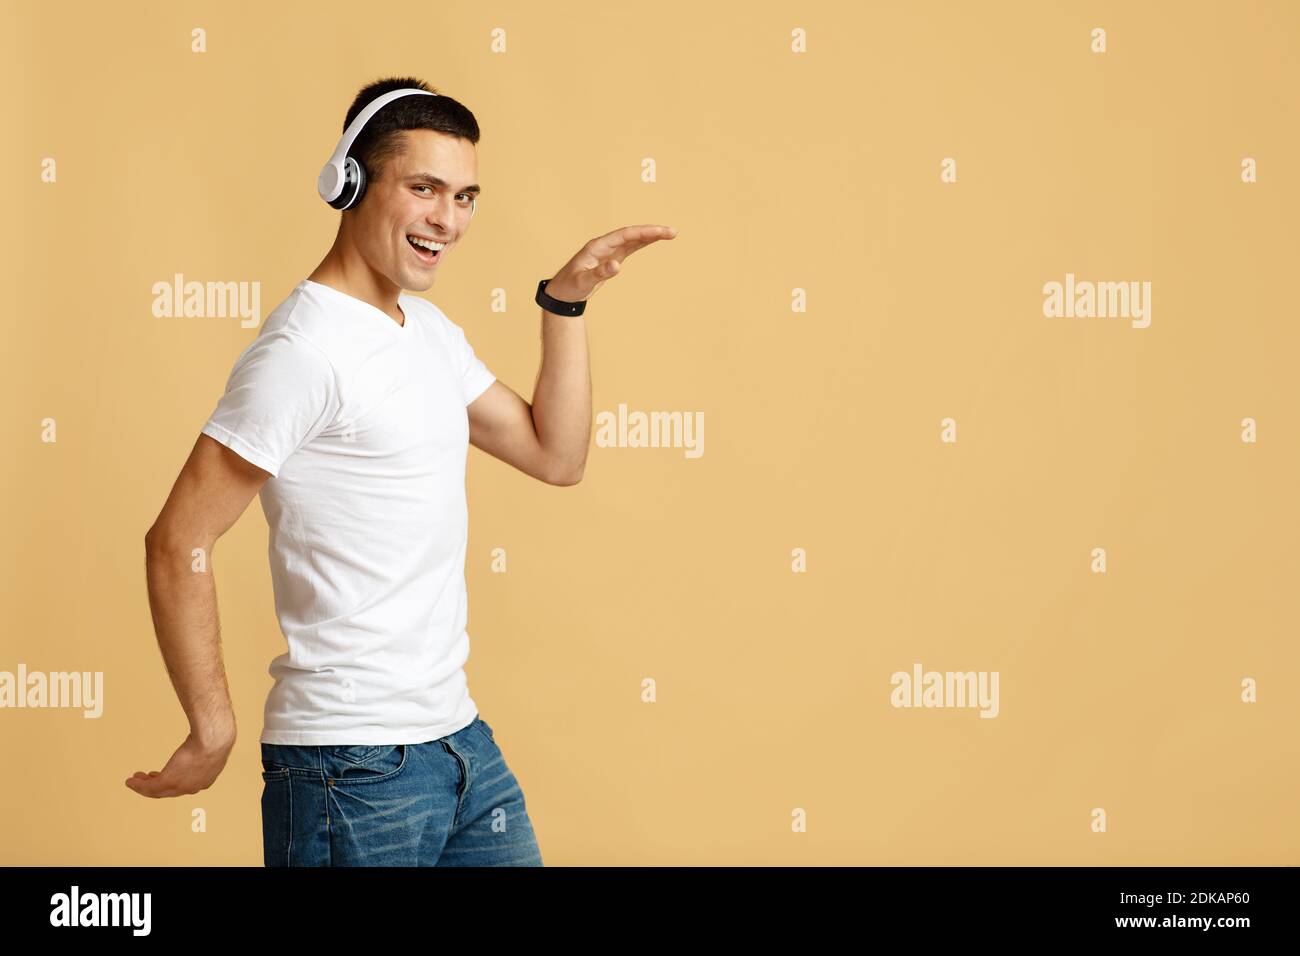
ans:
(818, 171)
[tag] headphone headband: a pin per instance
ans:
(333, 177)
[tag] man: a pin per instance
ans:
(350, 414)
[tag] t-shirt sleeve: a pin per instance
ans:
(474, 375)
(281, 394)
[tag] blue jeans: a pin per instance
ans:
(448, 802)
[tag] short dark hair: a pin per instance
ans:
(379, 141)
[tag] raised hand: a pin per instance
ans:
(601, 259)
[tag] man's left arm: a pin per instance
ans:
(549, 439)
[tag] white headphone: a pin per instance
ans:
(342, 180)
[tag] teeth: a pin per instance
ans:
(426, 243)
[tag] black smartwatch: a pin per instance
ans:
(555, 306)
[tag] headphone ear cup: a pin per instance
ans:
(361, 183)
(353, 180)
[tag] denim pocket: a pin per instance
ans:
(278, 760)
(365, 763)
(359, 755)
(487, 731)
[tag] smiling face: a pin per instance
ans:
(422, 193)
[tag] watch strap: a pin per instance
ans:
(556, 306)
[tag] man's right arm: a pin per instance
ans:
(213, 489)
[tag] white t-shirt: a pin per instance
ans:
(363, 424)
